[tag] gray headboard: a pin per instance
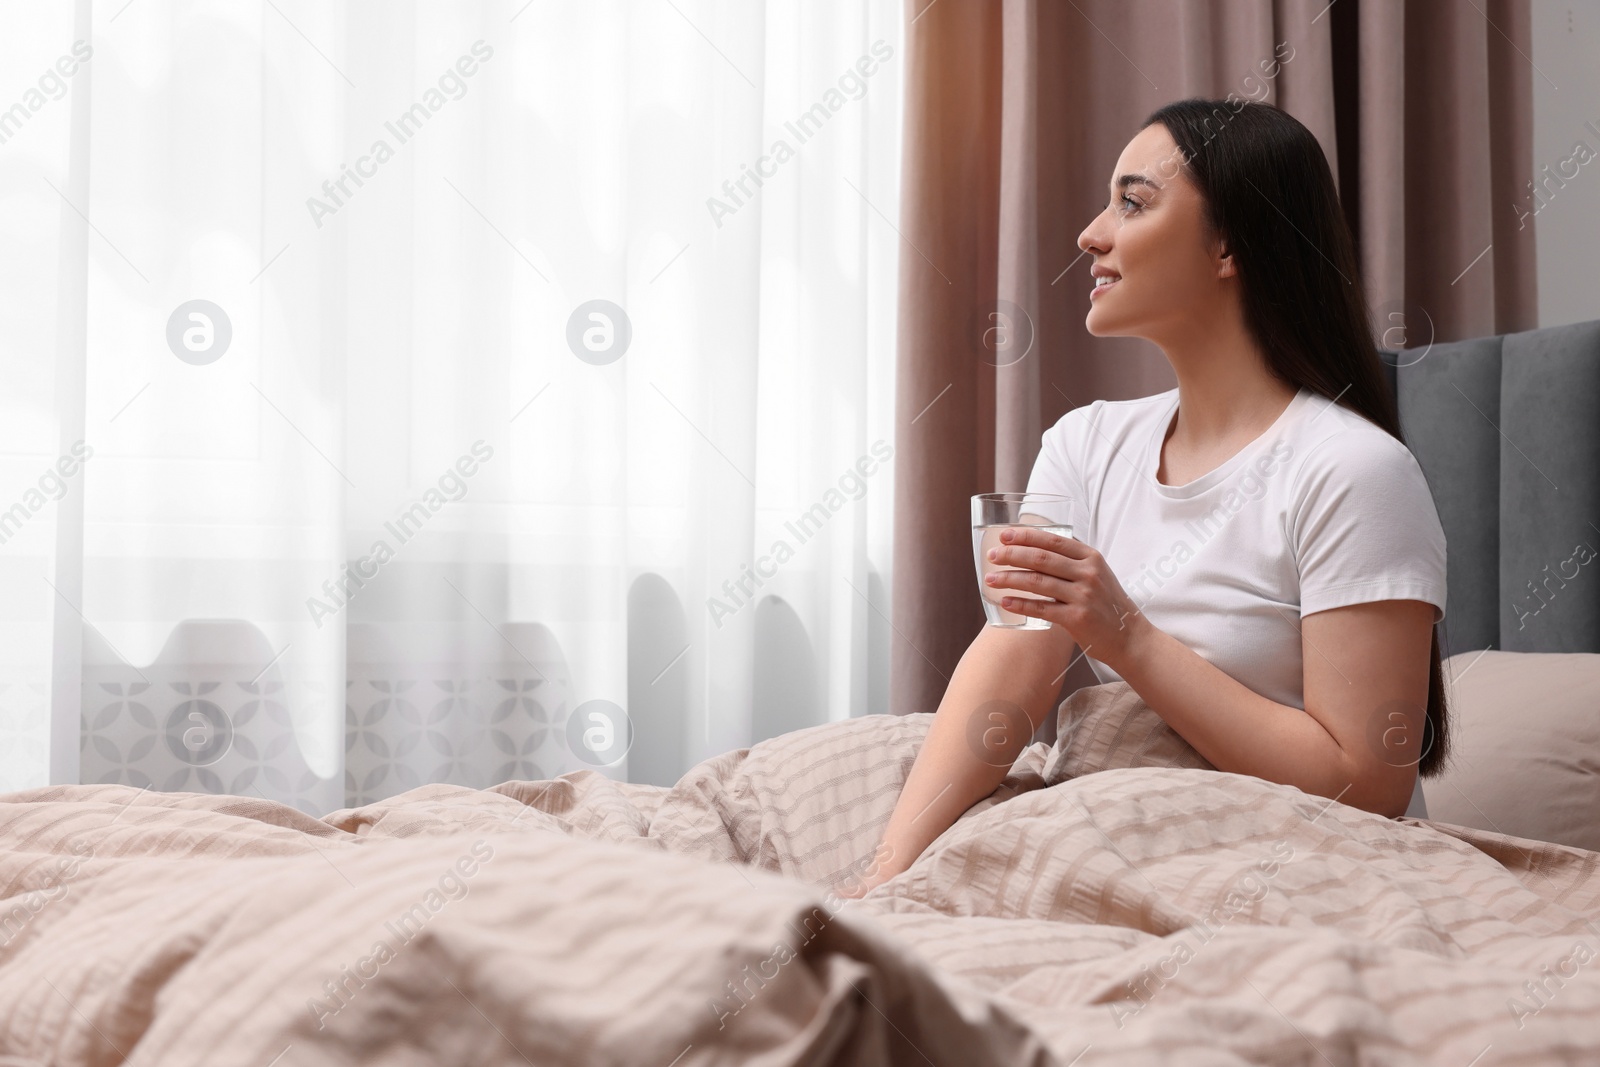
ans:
(1507, 431)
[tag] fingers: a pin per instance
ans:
(1031, 563)
(1038, 538)
(1048, 610)
(1040, 551)
(1030, 580)
(1041, 560)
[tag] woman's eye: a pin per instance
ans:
(1129, 203)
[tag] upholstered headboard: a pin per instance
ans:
(1507, 431)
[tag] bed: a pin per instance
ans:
(1111, 902)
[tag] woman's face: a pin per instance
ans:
(1151, 242)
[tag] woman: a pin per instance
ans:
(1260, 558)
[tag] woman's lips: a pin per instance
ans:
(1098, 289)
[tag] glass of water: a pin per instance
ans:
(994, 512)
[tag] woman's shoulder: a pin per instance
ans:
(1332, 439)
(1341, 455)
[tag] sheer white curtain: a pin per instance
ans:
(406, 393)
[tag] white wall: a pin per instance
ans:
(1566, 115)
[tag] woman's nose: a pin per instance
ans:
(1096, 237)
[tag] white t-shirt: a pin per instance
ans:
(1322, 510)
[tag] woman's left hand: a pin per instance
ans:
(1086, 599)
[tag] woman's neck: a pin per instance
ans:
(1225, 389)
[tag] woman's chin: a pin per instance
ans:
(1115, 322)
(1100, 326)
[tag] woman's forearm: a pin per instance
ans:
(965, 754)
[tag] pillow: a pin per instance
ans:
(1109, 727)
(1525, 746)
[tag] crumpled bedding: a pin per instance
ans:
(1144, 914)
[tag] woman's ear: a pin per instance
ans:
(1225, 265)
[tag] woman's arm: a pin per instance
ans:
(1366, 678)
(1002, 689)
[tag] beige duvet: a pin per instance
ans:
(1145, 915)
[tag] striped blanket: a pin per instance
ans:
(1139, 914)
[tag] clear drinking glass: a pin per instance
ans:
(993, 512)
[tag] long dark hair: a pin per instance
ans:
(1269, 195)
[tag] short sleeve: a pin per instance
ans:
(1364, 526)
(1055, 470)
